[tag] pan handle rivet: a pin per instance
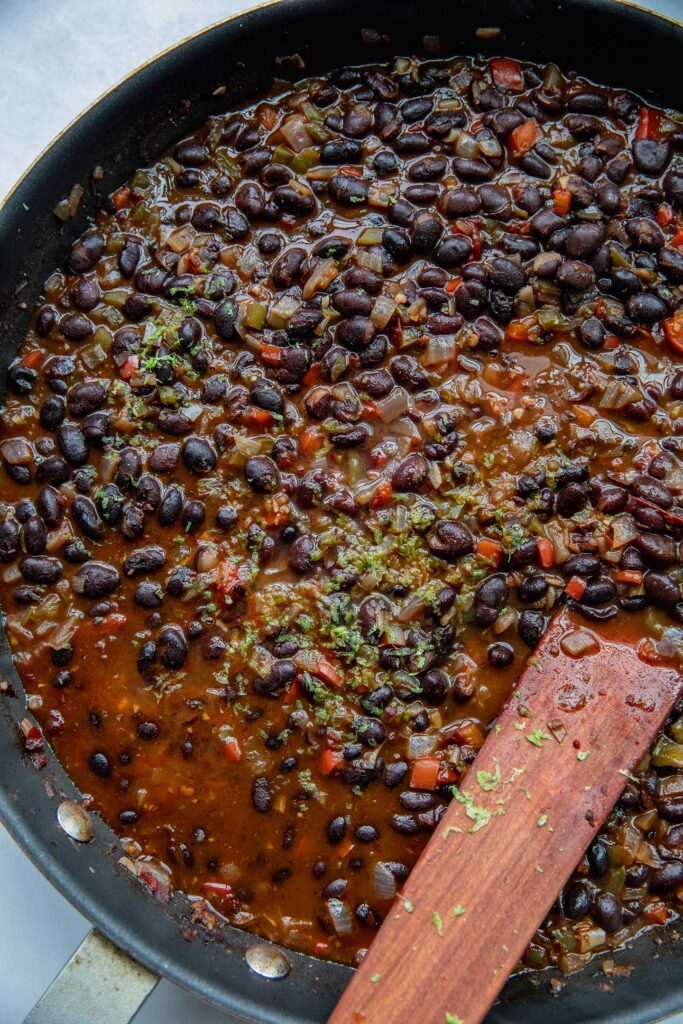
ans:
(75, 821)
(267, 961)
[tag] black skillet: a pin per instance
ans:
(610, 42)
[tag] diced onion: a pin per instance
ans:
(440, 349)
(619, 394)
(323, 275)
(369, 259)
(421, 745)
(624, 530)
(393, 406)
(384, 881)
(412, 609)
(247, 446)
(404, 427)
(382, 312)
(295, 133)
(466, 145)
(578, 642)
(340, 913)
(670, 641)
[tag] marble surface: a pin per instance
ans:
(55, 58)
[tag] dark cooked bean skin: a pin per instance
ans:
(316, 428)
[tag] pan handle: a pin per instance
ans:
(99, 983)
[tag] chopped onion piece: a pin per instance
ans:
(384, 881)
(323, 275)
(294, 131)
(618, 394)
(393, 406)
(382, 312)
(369, 260)
(421, 745)
(404, 427)
(578, 642)
(624, 530)
(441, 349)
(340, 913)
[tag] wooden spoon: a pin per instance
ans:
(548, 774)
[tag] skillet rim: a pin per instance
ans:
(254, 997)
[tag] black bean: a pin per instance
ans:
(148, 594)
(662, 588)
(341, 151)
(99, 765)
(356, 333)
(85, 398)
(173, 647)
(434, 686)
(132, 524)
(607, 911)
(336, 829)
(144, 560)
(500, 655)
(533, 588)
(571, 499)
(72, 444)
(40, 569)
(425, 232)
(410, 474)
(129, 257)
(646, 308)
(673, 186)
(531, 626)
(86, 252)
(85, 516)
(192, 153)
(96, 580)
(576, 900)
(450, 540)
(657, 547)
(304, 554)
(667, 877)
(598, 858)
(651, 156)
(10, 533)
(261, 796)
(261, 474)
(397, 243)
(198, 455)
(453, 251)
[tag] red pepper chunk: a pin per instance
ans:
(425, 773)
(525, 137)
(648, 124)
(673, 329)
(507, 73)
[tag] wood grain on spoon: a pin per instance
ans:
(554, 764)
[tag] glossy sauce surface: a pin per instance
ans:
(310, 435)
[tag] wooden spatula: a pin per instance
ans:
(548, 774)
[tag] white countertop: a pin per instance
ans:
(55, 58)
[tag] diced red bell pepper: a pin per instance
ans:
(524, 137)
(121, 198)
(425, 773)
(546, 552)
(507, 73)
(491, 550)
(575, 587)
(562, 200)
(382, 496)
(232, 750)
(648, 124)
(130, 367)
(329, 761)
(326, 671)
(673, 329)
